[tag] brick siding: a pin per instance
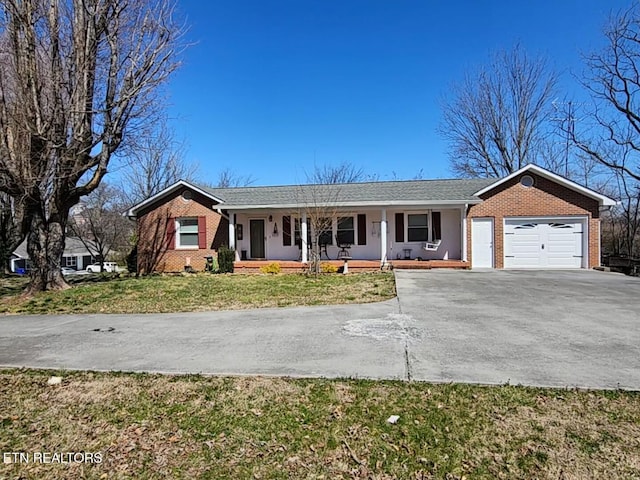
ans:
(153, 254)
(544, 199)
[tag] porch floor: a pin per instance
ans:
(290, 266)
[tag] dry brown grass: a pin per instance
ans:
(152, 426)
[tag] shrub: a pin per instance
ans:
(271, 268)
(226, 256)
(328, 268)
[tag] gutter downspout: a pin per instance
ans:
(222, 214)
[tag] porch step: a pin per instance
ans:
(290, 266)
(429, 264)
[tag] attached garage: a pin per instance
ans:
(540, 220)
(554, 242)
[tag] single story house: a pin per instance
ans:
(532, 218)
(75, 255)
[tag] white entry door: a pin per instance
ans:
(482, 243)
(543, 243)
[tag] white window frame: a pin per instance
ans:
(406, 226)
(70, 261)
(353, 227)
(330, 232)
(179, 233)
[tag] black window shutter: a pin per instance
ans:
(362, 229)
(286, 230)
(437, 232)
(399, 227)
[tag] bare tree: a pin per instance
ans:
(628, 212)
(320, 198)
(495, 120)
(99, 223)
(227, 178)
(156, 161)
(319, 204)
(613, 137)
(79, 78)
(12, 229)
(147, 255)
(610, 132)
(344, 172)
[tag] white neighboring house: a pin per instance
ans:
(75, 256)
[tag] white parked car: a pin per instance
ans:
(106, 267)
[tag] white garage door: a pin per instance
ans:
(543, 243)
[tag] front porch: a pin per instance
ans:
(289, 266)
(418, 236)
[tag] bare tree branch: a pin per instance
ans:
(613, 138)
(12, 228)
(331, 174)
(494, 121)
(156, 162)
(99, 224)
(78, 79)
(227, 178)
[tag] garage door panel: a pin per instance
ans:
(562, 244)
(524, 244)
(564, 262)
(526, 249)
(521, 262)
(527, 239)
(543, 243)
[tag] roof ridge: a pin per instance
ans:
(370, 182)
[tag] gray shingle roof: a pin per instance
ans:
(72, 246)
(367, 193)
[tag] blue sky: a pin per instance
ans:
(271, 86)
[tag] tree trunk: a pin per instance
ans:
(45, 244)
(12, 226)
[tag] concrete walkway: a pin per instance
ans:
(561, 329)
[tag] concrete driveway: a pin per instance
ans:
(548, 328)
(536, 328)
(336, 341)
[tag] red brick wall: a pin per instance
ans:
(153, 254)
(544, 198)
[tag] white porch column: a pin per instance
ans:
(232, 233)
(463, 229)
(383, 237)
(303, 239)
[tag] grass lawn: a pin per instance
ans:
(152, 426)
(199, 292)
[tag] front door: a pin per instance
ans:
(256, 228)
(482, 243)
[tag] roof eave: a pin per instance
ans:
(397, 203)
(603, 200)
(133, 211)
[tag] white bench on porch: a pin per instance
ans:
(431, 246)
